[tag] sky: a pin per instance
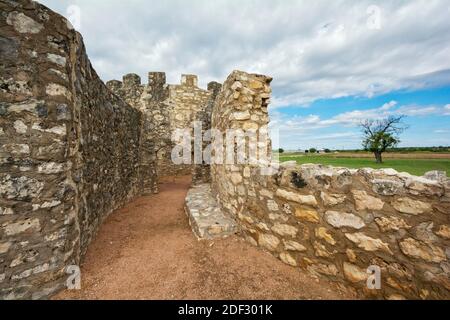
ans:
(334, 63)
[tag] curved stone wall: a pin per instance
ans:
(70, 150)
(166, 108)
(336, 222)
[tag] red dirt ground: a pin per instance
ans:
(148, 251)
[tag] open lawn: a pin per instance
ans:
(416, 164)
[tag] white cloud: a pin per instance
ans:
(313, 49)
(308, 130)
(354, 118)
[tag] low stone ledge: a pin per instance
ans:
(206, 218)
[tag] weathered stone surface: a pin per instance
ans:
(21, 188)
(244, 115)
(288, 259)
(236, 178)
(4, 247)
(417, 185)
(288, 164)
(23, 23)
(20, 127)
(386, 187)
(439, 176)
(391, 224)
(71, 151)
(246, 173)
(266, 193)
(444, 231)
(6, 211)
(321, 251)
(396, 297)
(308, 215)
(325, 269)
(293, 246)
(52, 168)
(58, 130)
(331, 200)
(268, 241)
(15, 149)
(424, 232)
(410, 206)
(420, 250)
(364, 201)
(354, 273)
(438, 279)
(341, 219)
(76, 141)
(351, 255)
(295, 197)
(322, 233)
(349, 199)
(21, 226)
(206, 218)
(367, 243)
(262, 226)
(284, 230)
(272, 205)
(54, 89)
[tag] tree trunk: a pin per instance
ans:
(378, 157)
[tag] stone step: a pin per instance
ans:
(206, 218)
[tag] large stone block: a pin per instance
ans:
(410, 206)
(342, 219)
(268, 241)
(23, 23)
(20, 188)
(420, 250)
(363, 201)
(295, 197)
(367, 243)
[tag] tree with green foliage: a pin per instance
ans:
(380, 135)
(313, 150)
(281, 150)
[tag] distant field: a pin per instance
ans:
(413, 163)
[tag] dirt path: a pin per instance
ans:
(147, 251)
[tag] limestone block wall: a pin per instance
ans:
(69, 150)
(337, 222)
(165, 108)
(186, 102)
(151, 101)
(241, 104)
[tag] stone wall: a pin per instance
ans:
(201, 173)
(70, 150)
(166, 108)
(336, 222)
(186, 102)
(151, 101)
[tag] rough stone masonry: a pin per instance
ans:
(166, 108)
(70, 150)
(73, 149)
(336, 222)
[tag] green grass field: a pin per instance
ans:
(413, 166)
